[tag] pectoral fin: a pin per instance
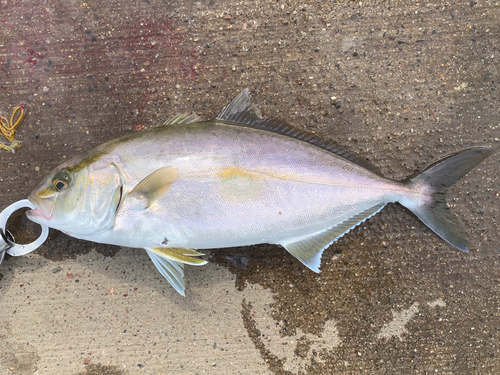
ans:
(154, 186)
(309, 249)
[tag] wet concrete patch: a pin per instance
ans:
(392, 304)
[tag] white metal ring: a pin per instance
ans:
(19, 249)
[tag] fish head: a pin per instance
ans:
(80, 197)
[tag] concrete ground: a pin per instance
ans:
(401, 83)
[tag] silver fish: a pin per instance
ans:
(237, 180)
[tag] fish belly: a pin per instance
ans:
(275, 212)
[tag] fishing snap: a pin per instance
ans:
(7, 244)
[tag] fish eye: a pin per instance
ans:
(61, 182)
(60, 185)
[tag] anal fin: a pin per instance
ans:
(309, 249)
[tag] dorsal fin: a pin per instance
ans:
(183, 118)
(241, 111)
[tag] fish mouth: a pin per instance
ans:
(37, 213)
(43, 210)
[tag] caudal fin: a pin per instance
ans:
(440, 176)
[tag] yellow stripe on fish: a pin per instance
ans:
(236, 172)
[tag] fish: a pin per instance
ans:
(239, 179)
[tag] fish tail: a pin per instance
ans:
(433, 182)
